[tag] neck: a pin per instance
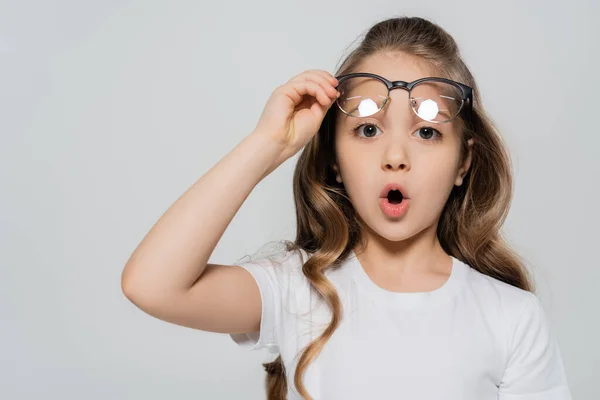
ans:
(419, 254)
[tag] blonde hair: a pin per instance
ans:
(469, 226)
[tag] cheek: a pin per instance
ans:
(436, 173)
(357, 164)
(358, 177)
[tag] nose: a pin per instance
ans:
(395, 158)
(399, 118)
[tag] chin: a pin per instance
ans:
(392, 230)
(396, 234)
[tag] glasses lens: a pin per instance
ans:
(436, 101)
(362, 96)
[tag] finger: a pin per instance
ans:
(298, 90)
(288, 90)
(330, 78)
(330, 93)
(318, 110)
(324, 78)
(315, 90)
(324, 82)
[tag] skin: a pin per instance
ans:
(404, 254)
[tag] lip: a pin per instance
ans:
(393, 210)
(393, 186)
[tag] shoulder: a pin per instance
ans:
(275, 260)
(504, 307)
(533, 362)
(277, 254)
(492, 292)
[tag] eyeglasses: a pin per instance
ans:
(432, 99)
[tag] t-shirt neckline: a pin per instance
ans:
(409, 299)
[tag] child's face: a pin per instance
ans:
(398, 151)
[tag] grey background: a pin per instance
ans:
(112, 109)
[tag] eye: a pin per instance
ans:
(429, 132)
(370, 132)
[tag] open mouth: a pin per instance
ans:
(394, 204)
(395, 197)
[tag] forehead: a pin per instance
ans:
(396, 66)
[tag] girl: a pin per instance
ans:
(399, 283)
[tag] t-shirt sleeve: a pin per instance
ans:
(267, 279)
(535, 369)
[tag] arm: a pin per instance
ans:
(167, 275)
(162, 275)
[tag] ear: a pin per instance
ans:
(462, 171)
(338, 177)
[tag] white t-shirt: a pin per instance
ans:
(474, 338)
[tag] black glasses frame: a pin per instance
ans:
(466, 91)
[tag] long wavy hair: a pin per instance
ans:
(469, 229)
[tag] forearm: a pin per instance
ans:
(174, 253)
